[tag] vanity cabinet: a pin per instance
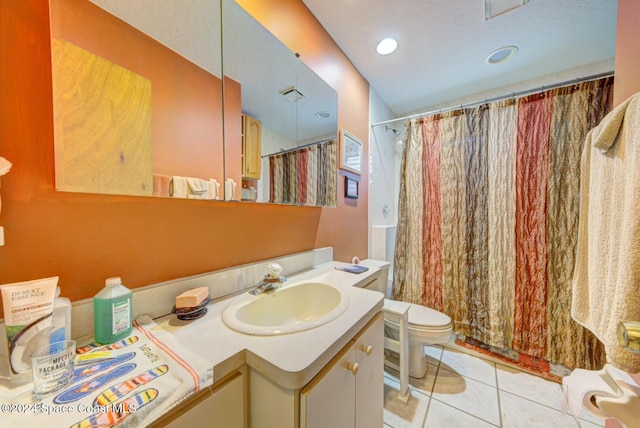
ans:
(329, 400)
(369, 398)
(349, 391)
(251, 147)
(222, 405)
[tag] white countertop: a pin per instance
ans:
(290, 360)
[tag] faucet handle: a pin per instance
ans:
(274, 270)
(273, 275)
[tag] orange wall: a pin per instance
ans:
(85, 238)
(627, 65)
(344, 228)
(232, 133)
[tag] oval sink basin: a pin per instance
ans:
(289, 309)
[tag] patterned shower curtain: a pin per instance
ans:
(306, 176)
(493, 193)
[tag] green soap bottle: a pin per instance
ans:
(112, 312)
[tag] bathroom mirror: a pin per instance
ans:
(281, 142)
(138, 97)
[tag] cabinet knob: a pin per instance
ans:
(367, 349)
(353, 368)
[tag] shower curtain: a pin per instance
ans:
(306, 176)
(492, 192)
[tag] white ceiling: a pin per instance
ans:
(265, 67)
(443, 44)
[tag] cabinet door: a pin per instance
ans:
(369, 350)
(328, 401)
(224, 407)
(251, 147)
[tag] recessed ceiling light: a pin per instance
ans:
(386, 46)
(501, 55)
(323, 115)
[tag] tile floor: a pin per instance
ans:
(463, 390)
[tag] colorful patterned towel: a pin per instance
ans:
(127, 391)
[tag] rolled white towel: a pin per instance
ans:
(230, 189)
(197, 186)
(178, 186)
(214, 187)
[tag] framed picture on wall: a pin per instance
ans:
(350, 153)
(350, 188)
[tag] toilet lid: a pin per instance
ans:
(422, 316)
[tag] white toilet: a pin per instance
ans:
(426, 327)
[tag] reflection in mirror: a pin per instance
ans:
(284, 148)
(137, 97)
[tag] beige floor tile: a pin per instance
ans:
(518, 412)
(424, 385)
(528, 386)
(434, 354)
(473, 397)
(399, 414)
(441, 415)
(459, 393)
(468, 366)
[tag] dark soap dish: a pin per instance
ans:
(193, 313)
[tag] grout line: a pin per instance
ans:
(433, 387)
(435, 378)
(500, 405)
(495, 372)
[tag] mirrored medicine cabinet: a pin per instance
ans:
(187, 99)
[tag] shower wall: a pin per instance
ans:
(384, 163)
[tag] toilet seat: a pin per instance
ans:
(426, 326)
(423, 316)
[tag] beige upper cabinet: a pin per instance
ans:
(251, 147)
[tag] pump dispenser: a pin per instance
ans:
(112, 312)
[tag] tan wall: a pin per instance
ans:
(627, 65)
(85, 238)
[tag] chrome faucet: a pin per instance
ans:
(267, 285)
(271, 281)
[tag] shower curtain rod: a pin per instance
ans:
(500, 98)
(300, 147)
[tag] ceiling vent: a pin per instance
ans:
(493, 8)
(292, 94)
